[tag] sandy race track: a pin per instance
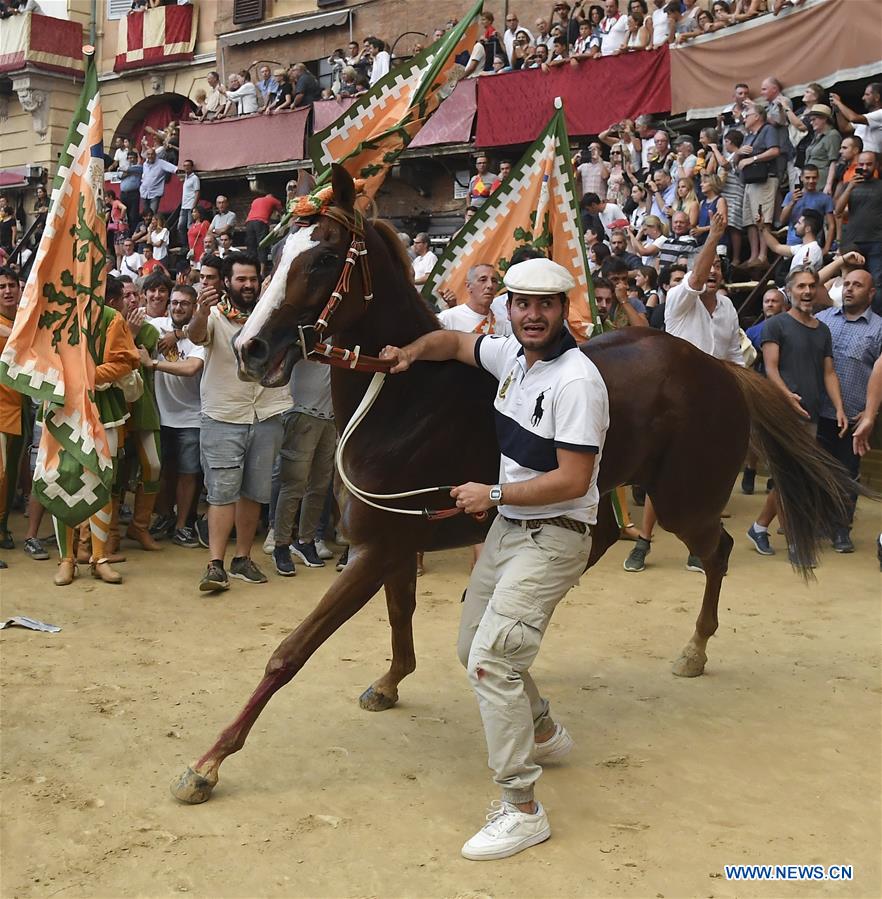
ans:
(772, 757)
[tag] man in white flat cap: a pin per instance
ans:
(552, 414)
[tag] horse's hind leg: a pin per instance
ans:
(693, 657)
(401, 603)
(359, 581)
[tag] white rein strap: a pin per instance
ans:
(358, 416)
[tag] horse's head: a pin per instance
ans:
(285, 320)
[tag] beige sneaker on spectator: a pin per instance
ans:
(270, 543)
(322, 550)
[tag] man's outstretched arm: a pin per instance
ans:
(436, 346)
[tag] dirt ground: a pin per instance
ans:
(772, 757)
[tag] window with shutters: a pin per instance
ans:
(247, 11)
(117, 9)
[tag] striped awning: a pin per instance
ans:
(286, 28)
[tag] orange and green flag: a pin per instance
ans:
(51, 352)
(537, 204)
(370, 135)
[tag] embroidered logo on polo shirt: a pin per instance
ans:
(538, 411)
(506, 384)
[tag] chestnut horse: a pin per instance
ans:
(680, 423)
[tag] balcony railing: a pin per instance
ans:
(41, 42)
(510, 109)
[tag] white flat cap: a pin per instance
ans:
(538, 277)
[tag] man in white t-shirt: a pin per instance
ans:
(381, 61)
(178, 376)
(613, 28)
(660, 26)
(475, 65)
(424, 260)
(610, 214)
(808, 227)
(121, 154)
(224, 221)
(512, 27)
(483, 312)
(697, 311)
(242, 93)
(684, 162)
(131, 261)
(868, 127)
(189, 199)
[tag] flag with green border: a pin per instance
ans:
(536, 205)
(51, 351)
(370, 135)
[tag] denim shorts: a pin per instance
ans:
(237, 460)
(180, 447)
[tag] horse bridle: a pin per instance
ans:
(357, 254)
(353, 360)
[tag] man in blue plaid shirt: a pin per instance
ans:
(857, 344)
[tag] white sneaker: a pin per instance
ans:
(507, 832)
(322, 550)
(270, 543)
(555, 748)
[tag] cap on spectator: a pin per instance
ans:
(822, 110)
(562, 3)
(538, 277)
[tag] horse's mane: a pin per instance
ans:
(390, 237)
(392, 241)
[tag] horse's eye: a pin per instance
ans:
(324, 261)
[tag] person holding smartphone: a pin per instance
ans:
(862, 199)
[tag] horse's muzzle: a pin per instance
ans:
(253, 357)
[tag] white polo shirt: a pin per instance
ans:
(687, 317)
(560, 402)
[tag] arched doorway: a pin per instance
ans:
(156, 112)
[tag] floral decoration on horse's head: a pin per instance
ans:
(318, 201)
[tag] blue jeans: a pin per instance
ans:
(185, 219)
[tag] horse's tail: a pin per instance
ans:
(813, 488)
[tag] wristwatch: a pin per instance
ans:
(496, 494)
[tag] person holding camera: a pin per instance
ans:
(862, 199)
(807, 196)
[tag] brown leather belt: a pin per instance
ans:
(561, 522)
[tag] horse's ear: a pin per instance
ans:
(344, 188)
(305, 183)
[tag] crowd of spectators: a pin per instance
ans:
(796, 185)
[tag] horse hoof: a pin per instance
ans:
(373, 701)
(193, 788)
(691, 663)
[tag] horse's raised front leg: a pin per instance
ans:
(693, 657)
(382, 694)
(358, 582)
